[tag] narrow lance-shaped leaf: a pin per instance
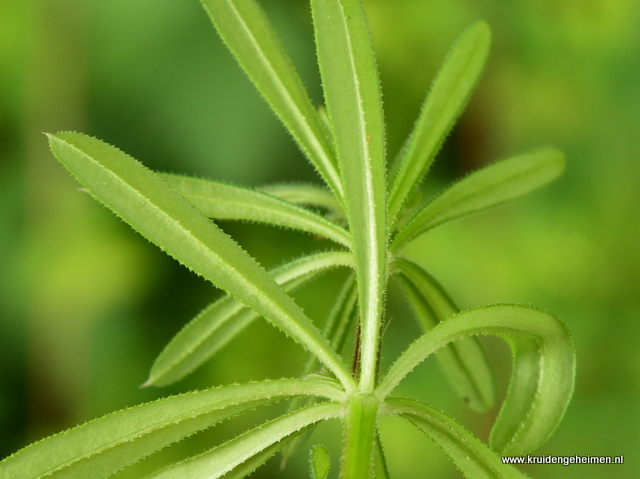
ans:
(303, 194)
(226, 457)
(246, 31)
(543, 369)
(485, 188)
(320, 462)
(102, 447)
(220, 322)
(221, 201)
(253, 463)
(161, 215)
(464, 362)
(307, 195)
(470, 455)
(380, 470)
(352, 94)
(446, 100)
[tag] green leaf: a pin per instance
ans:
(446, 100)
(224, 319)
(380, 470)
(250, 465)
(352, 94)
(543, 369)
(320, 462)
(221, 201)
(485, 188)
(472, 457)
(160, 214)
(226, 457)
(464, 362)
(306, 195)
(311, 196)
(246, 31)
(104, 446)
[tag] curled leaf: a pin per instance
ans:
(543, 369)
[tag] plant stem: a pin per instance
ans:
(360, 428)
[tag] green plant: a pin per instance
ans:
(348, 151)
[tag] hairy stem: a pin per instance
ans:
(360, 429)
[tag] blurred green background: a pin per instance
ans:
(86, 304)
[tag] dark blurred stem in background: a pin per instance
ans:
(55, 99)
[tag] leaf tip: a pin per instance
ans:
(482, 27)
(146, 384)
(555, 158)
(480, 32)
(320, 462)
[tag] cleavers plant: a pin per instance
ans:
(366, 215)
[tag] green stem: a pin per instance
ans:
(360, 429)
